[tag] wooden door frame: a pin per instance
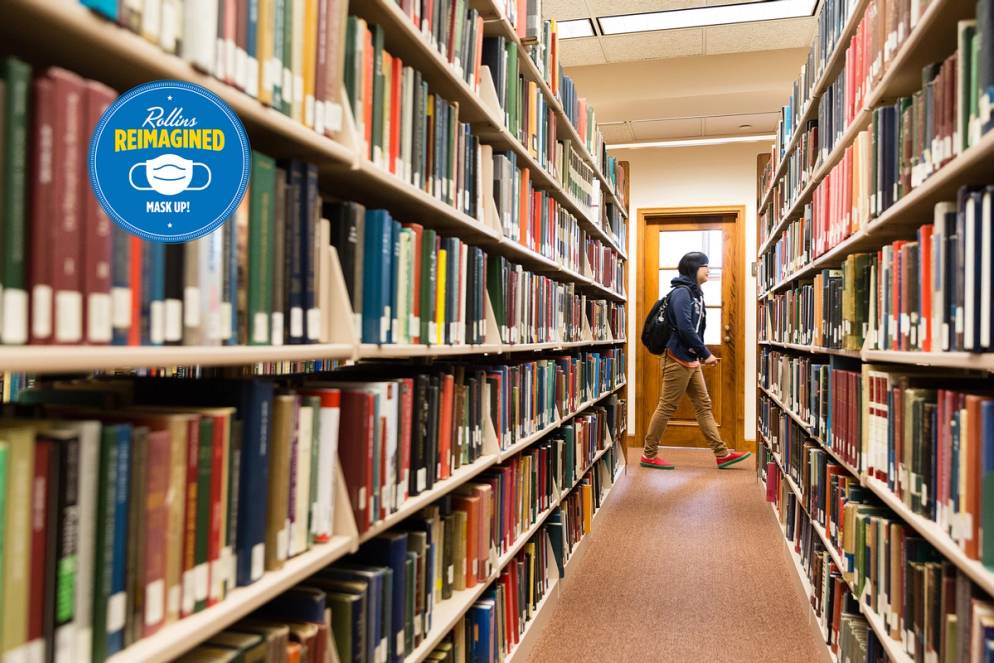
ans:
(738, 430)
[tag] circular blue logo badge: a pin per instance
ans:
(169, 161)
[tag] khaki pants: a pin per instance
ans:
(678, 379)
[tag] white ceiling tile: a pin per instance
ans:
(654, 45)
(662, 129)
(619, 132)
(564, 10)
(730, 125)
(759, 36)
(581, 51)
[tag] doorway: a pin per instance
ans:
(665, 235)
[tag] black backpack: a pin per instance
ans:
(657, 328)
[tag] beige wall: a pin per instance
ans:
(696, 176)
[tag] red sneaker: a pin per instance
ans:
(731, 458)
(656, 463)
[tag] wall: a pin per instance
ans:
(688, 177)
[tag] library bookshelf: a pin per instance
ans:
(931, 38)
(65, 33)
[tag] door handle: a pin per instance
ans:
(728, 339)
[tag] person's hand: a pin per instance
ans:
(711, 361)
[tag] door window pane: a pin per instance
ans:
(712, 288)
(712, 333)
(674, 244)
(665, 277)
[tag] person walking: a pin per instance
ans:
(681, 367)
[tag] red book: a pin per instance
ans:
(478, 53)
(975, 472)
(415, 322)
(406, 386)
(188, 583)
(216, 540)
(156, 526)
(68, 178)
(355, 450)
(42, 209)
(925, 287)
(445, 426)
(522, 16)
(43, 532)
(96, 233)
(470, 505)
(396, 87)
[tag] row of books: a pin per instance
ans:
(930, 439)
(826, 397)
(605, 266)
(923, 603)
(905, 143)
(882, 29)
(378, 604)
(263, 278)
(186, 488)
(613, 173)
(614, 222)
(930, 293)
(405, 128)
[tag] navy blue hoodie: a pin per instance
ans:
(688, 319)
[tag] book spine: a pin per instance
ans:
(15, 235)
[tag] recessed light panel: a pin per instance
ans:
(582, 27)
(705, 16)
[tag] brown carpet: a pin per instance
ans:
(683, 566)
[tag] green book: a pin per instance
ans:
(377, 154)
(966, 31)
(261, 212)
(279, 39)
(286, 88)
(205, 468)
(13, 200)
(975, 40)
(429, 271)
(410, 575)
(4, 463)
(348, 625)
(104, 559)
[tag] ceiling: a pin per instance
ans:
(687, 83)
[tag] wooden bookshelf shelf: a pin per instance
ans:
(812, 349)
(965, 360)
(176, 638)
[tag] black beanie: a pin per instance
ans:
(690, 263)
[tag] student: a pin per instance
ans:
(681, 370)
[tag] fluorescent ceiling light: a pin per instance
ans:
(704, 16)
(581, 27)
(693, 142)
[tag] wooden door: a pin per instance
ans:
(665, 238)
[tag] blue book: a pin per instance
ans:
(481, 648)
(296, 209)
(376, 578)
(372, 302)
(392, 321)
(118, 575)
(973, 221)
(298, 604)
(385, 276)
(120, 274)
(310, 211)
(106, 7)
(390, 549)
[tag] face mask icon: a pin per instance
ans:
(169, 174)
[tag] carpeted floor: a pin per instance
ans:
(683, 566)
